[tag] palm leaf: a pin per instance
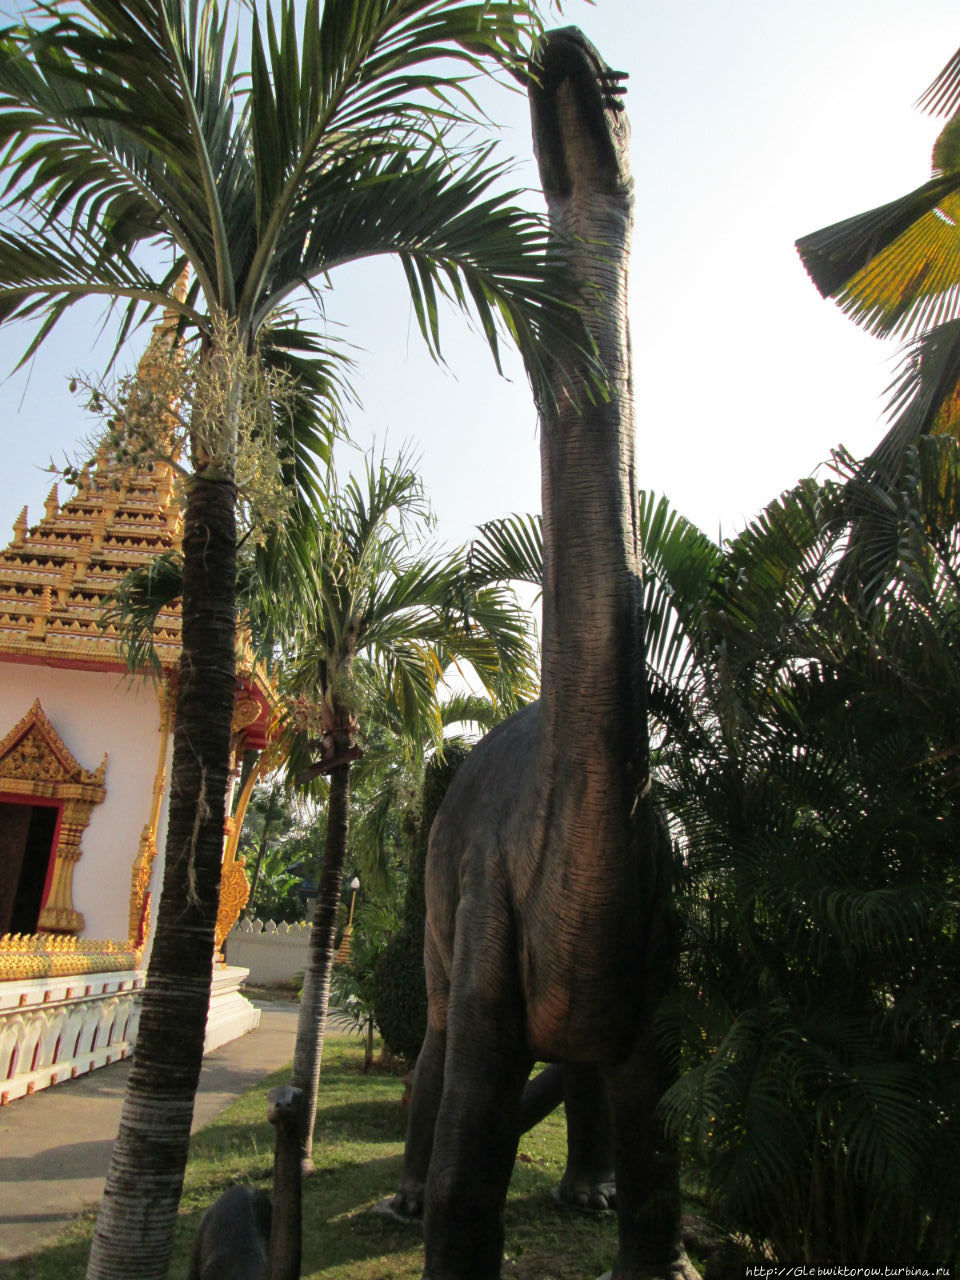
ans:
(942, 97)
(679, 564)
(507, 550)
(136, 604)
(895, 268)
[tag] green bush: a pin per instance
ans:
(399, 990)
(812, 776)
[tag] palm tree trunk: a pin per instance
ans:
(316, 985)
(135, 1225)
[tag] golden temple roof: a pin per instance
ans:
(57, 576)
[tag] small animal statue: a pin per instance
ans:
(241, 1237)
(549, 909)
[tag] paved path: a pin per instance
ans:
(55, 1145)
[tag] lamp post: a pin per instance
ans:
(343, 951)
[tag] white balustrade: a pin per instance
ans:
(54, 1029)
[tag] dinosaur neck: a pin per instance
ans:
(592, 754)
(285, 1233)
(592, 687)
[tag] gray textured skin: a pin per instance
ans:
(240, 1237)
(233, 1238)
(548, 905)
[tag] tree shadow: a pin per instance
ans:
(382, 1121)
(65, 1259)
(73, 1160)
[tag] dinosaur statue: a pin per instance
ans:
(548, 932)
(241, 1237)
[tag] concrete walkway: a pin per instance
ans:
(55, 1145)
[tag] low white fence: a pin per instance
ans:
(274, 953)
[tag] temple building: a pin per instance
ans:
(85, 753)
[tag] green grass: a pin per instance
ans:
(358, 1150)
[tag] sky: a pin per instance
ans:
(753, 122)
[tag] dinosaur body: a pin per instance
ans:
(241, 1236)
(548, 903)
(233, 1239)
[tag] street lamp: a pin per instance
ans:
(343, 951)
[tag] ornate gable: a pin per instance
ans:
(37, 761)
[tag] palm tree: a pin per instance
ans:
(377, 632)
(895, 271)
(807, 760)
(130, 135)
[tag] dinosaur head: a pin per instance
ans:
(580, 133)
(283, 1105)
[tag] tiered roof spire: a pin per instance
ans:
(56, 576)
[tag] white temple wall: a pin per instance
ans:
(97, 712)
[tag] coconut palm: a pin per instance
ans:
(131, 136)
(376, 634)
(808, 764)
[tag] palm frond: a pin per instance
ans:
(895, 268)
(136, 604)
(358, 62)
(942, 97)
(679, 564)
(507, 550)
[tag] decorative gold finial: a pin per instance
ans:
(180, 288)
(84, 551)
(98, 531)
(20, 527)
(65, 581)
(40, 619)
(52, 504)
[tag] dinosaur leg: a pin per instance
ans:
(542, 1094)
(424, 1103)
(478, 1124)
(647, 1173)
(588, 1181)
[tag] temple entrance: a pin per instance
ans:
(39, 774)
(27, 834)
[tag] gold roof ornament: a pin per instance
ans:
(56, 576)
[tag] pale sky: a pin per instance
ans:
(754, 122)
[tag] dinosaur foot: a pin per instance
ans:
(596, 1197)
(681, 1268)
(405, 1206)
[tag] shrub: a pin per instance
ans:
(399, 989)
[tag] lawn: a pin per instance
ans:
(358, 1149)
